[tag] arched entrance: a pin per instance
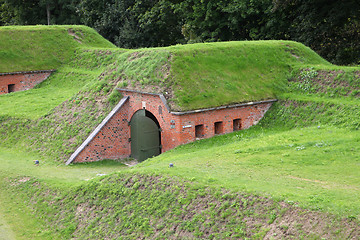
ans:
(145, 135)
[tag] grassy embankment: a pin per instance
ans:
(283, 158)
(187, 75)
(30, 48)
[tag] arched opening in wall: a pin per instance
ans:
(145, 135)
(11, 88)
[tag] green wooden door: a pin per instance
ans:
(145, 137)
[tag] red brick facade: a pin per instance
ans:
(111, 139)
(20, 81)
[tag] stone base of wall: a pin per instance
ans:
(20, 81)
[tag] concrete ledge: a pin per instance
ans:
(97, 130)
(198, 110)
(224, 107)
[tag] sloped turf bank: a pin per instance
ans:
(128, 206)
(207, 75)
(318, 97)
(58, 115)
(29, 48)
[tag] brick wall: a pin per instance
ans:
(20, 81)
(112, 141)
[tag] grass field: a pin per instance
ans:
(312, 168)
(316, 167)
(294, 175)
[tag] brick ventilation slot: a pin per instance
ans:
(236, 124)
(199, 131)
(218, 127)
(11, 88)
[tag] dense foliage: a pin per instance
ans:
(329, 27)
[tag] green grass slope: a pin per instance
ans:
(294, 175)
(190, 76)
(80, 74)
(213, 74)
(82, 91)
(56, 116)
(29, 48)
(152, 206)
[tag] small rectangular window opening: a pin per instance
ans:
(11, 88)
(218, 127)
(199, 131)
(236, 124)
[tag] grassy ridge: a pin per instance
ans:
(56, 117)
(187, 75)
(317, 168)
(81, 74)
(28, 48)
(191, 76)
(213, 74)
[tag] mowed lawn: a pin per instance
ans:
(315, 167)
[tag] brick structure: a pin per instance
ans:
(111, 139)
(20, 81)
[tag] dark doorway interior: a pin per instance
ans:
(11, 88)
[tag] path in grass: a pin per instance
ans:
(16, 222)
(15, 163)
(5, 231)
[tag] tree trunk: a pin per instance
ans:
(48, 13)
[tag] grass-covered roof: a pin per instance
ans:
(190, 76)
(212, 74)
(28, 48)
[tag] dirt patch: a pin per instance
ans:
(19, 181)
(130, 163)
(76, 37)
(24, 179)
(307, 180)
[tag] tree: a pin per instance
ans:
(330, 27)
(132, 24)
(31, 12)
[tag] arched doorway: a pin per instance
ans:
(145, 135)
